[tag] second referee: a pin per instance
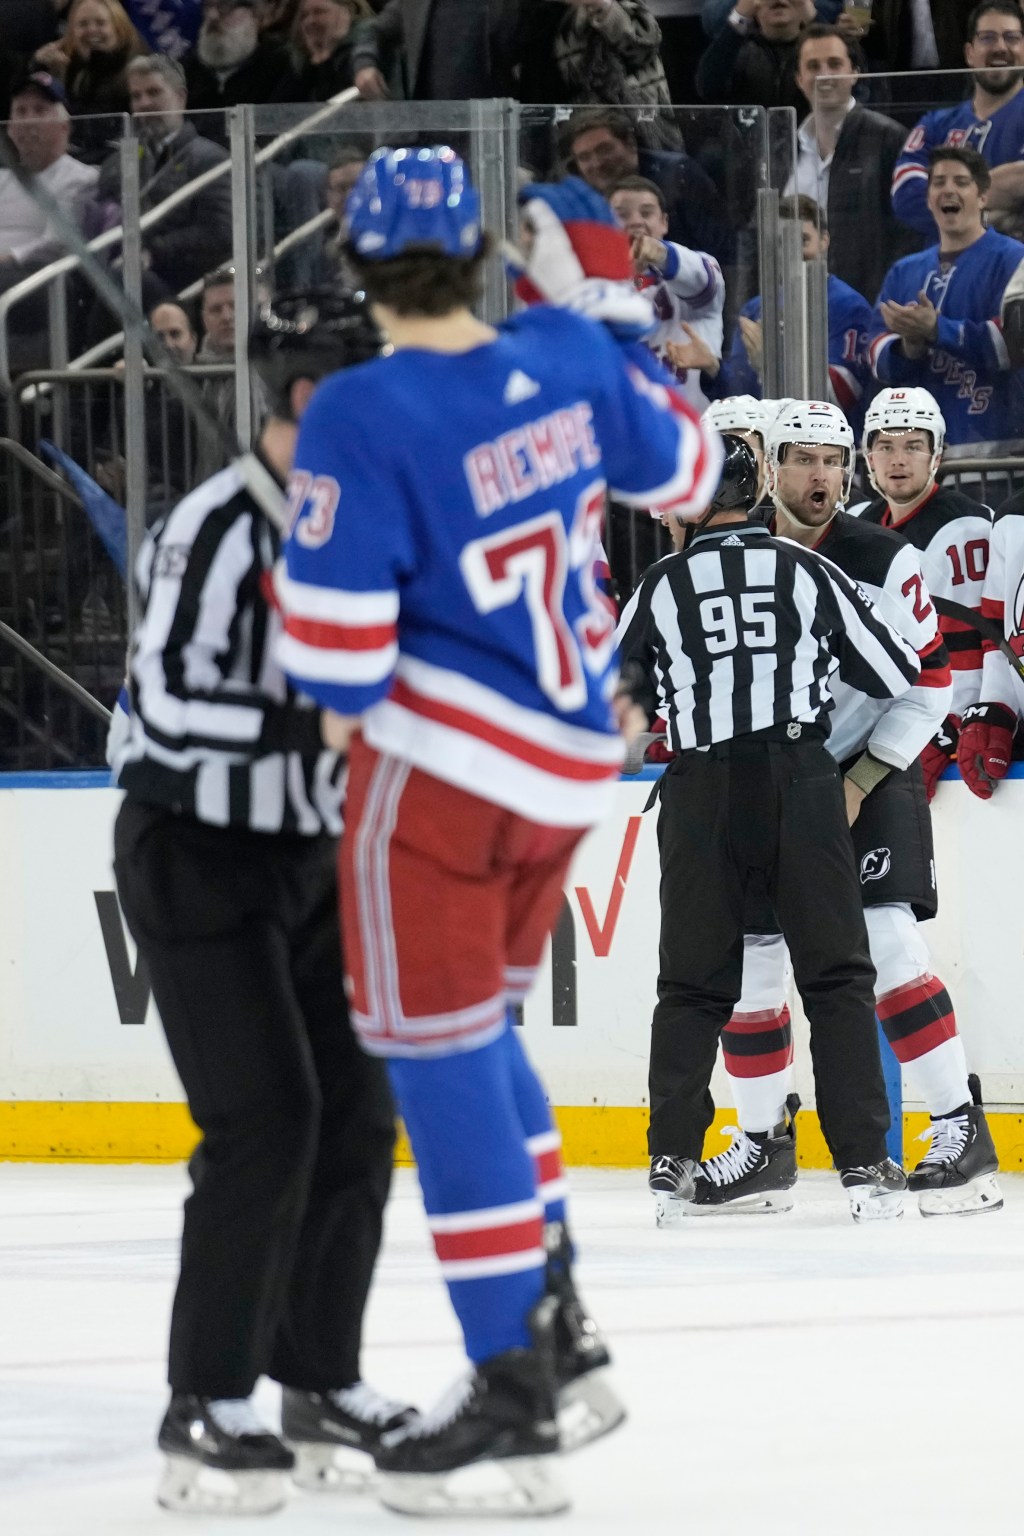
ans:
(735, 639)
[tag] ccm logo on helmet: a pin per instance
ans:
(875, 865)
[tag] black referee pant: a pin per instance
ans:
(762, 811)
(239, 931)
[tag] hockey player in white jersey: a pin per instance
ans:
(904, 433)
(686, 287)
(877, 743)
(985, 747)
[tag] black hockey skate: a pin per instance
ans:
(670, 1181)
(588, 1407)
(482, 1450)
(336, 1434)
(957, 1175)
(876, 1192)
(220, 1459)
(755, 1174)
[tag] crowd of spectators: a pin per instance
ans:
(635, 83)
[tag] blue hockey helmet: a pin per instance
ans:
(414, 197)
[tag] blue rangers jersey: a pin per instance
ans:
(967, 368)
(998, 139)
(440, 573)
(849, 319)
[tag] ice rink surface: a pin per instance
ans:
(784, 1374)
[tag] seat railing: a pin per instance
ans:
(65, 265)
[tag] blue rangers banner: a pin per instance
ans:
(168, 26)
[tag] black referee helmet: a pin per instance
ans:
(308, 335)
(737, 487)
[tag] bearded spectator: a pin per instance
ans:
(230, 65)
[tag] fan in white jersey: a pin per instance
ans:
(686, 287)
(904, 434)
(810, 449)
(986, 735)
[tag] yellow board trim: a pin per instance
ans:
(594, 1136)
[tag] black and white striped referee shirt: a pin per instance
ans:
(742, 631)
(215, 732)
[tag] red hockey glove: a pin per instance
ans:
(986, 740)
(578, 258)
(939, 753)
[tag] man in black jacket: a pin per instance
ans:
(439, 50)
(753, 58)
(196, 235)
(845, 159)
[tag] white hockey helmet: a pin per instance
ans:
(741, 413)
(905, 410)
(816, 422)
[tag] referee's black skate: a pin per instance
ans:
(588, 1406)
(336, 1434)
(670, 1181)
(756, 1174)
(876, 1191)
(221, 1460)
(957, 1175)
(484, 1449)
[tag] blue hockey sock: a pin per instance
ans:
(543, 1139)
(479, 1190)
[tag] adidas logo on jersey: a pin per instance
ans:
(732, 539)
(519, 387)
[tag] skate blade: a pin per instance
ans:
(982, 1194)
(519, 1486)
(189, 1487)
(875, 1207)
(321, 1468)
(668, 1209)
(588, 1408)
(774, 1202)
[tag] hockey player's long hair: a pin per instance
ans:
(422, 281)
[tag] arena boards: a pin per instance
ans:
(86, 1075)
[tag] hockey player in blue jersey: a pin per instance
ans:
(849, 317)
(439, 599)
(937, 321)
(991, 122)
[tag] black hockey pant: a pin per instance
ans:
(764, 812)
(239, 932)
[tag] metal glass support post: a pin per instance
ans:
(134, 384)
(57, 323)
(243, 233)
(816, 338)
(771, 305)
(794, 309)
(492, 130)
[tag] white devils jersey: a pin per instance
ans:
(690, 288)
(889, 571)
(1003, 601)
(951, 533)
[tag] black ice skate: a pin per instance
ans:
(482, 1450)
(221, 1460)
(670, 1181)
(336, 1434)
(957, 1175)
(876, 1192)
(588, 1407)
(755, 1174)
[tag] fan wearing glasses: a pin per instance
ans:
(991, 121)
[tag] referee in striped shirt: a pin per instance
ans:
(225, 849)
(735, 639)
